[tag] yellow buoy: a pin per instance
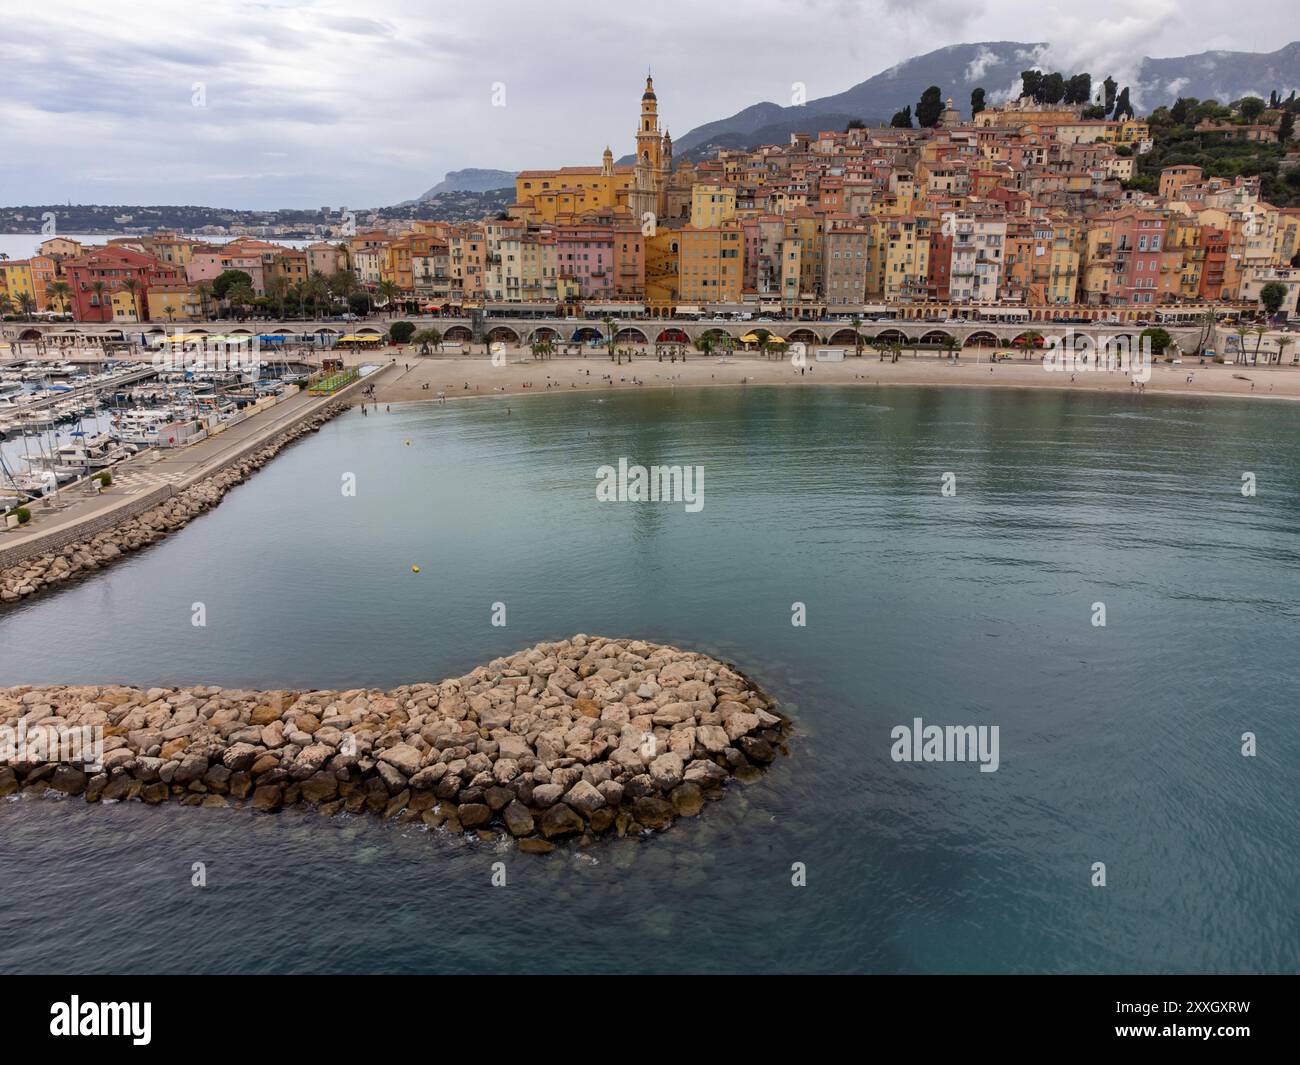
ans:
(408, 443)
(415, 569)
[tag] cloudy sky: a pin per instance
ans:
(306, 104)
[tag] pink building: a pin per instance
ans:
(584, 253)
(210, 261)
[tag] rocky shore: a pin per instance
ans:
(580, 738)
(35, 574)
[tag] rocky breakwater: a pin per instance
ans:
(43, 571)
(580, 738)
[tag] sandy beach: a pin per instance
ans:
(422, 378)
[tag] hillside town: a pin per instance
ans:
(1021, 205)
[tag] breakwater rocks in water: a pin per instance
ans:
(579, 738)
(47, 570)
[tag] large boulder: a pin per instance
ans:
(403, 757)
(559, 821)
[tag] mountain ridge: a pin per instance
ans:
(996, 67)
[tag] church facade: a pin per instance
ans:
(638, 192)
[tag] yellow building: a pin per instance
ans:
(61, 248)
(18, 283)
(31, 278)
(1098, 262)
(712, 205)
(1064, 251)
(806, 228)
(662, 271)
(1184, 237)
(712, 265)
(174, 303)
(904, 259)
(1286, 243)
(126, 305)
(792, 270)
(548, 196)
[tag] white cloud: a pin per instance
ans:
(976, 67)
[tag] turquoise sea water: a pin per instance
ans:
(1118, 744)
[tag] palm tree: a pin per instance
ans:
(1029, 340)
(204, 291)
(6, 306)
(608, 322)
(278, 288)
(1206, 327)
(59, 291)
(131, 284)
(428, 338)
(1260, 332)
(27, 304)
(857, 336)
(342, 283)
(1242, 332)
(1283, 342)
(390, 292)
(239, 297)
(704, 344)
(317, 289)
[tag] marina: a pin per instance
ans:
(62, 421)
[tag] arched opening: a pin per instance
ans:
(544, 334)
(982, 338)
(937, 338)
(588, 335)
(671, 336)
(503, 333)
(458, 334)
(803, 336)
(630, 335)
(890, 336)
(844, 337)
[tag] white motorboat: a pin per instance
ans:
(87, 453)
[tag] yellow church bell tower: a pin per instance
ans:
(653, 159)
